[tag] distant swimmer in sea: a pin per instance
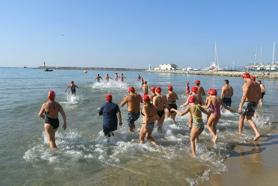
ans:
(145, 88)
(139, 77)
(172, 97)
(160, 103)
(98, 78)
(187, 89)
(123, 77)
(195, 111)
(227, 93)
(250, 98)
(117, 77)
(133, 101)
(107, 77)
(49, 112)
(263, 90)
(201, 91)
(149, 117)
(111, 116)
(72, 87)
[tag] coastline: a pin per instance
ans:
(90, 68)
(261, 74)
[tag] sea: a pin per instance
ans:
(86, 157)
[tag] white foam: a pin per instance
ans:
(110, 84)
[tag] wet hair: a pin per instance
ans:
(260, 82)
(226, 81)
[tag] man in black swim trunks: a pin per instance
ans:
(160, 103)
(227, 93)
(72, 87)
(171, 100)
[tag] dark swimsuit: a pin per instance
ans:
(160, 113)
(172, 105)
(54, 122)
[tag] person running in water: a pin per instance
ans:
(193, 92)
(117, 77)
(171, 101)
(139, 77)
(72, 87)
(248, 103)
(122, 77)
(160, 103)
(201, 91)
(227, 93)
(111, 116)
(107, 77)
(145, 88)
(49, 112)
(195, 111)
(152, 93)
(262, 91)
(98, 78)
(149, 117)
(133, 101)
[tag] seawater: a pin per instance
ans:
(86, 157)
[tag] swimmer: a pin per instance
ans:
(152, 93)
(171, 101)
(145, 88)
(248, 103)
(263, 90)
(139, 77)
(160, 103)
(111, 116)
(149, 117)
(123, 77)
(201, 91)
(98, 78)
(133, 101)
(107, 77)
(72, 87)
(227, 93)
(195, 111)
(49, 112)
(116, 76)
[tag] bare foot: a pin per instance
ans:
(193, 155)
(256, 137)
(214, 139)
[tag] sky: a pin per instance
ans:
(136, 33)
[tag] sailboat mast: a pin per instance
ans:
(273, 54)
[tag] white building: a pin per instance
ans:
(166, 67)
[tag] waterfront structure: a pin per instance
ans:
(166, 67)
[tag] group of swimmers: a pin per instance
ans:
(156, 106)
(107, 77)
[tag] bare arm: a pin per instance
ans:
(243, 98)
(41, 112)
(61, 110)
(119, 115)
(222, 92)
(181, 113)
(124, 101)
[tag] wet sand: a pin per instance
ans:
(250, 164)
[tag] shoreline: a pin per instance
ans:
(261, 74)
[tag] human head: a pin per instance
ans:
(146, 98)
(246, 75)
(170, 87)
(158, 90)
(131, 89)
(108, 97)
(72, 82)
(226, 81)
(51, 95)
(212, 92)
(191, 99)
(194, 89)
(153, 89)
(197, 82)
(259, 81)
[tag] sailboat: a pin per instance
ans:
(46, 69)
(214, 65)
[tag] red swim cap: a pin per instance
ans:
(246, 75)
(158, 90)
(153, 89)
(212, 92)
(146, 98)
(253, 78)
(197, 82)
(131, 89)
(194, 89)
(191, 99)
(108, 97)
(170, 87)
(51, 95)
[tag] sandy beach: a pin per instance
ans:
(250, 164)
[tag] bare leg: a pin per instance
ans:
(142, 134)
(193, 136)
(131, 127)
(149, 137)
(254, 127)
(173, 116)
(50, 135)
(240, 124)
(160, 123)
(211, 128)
